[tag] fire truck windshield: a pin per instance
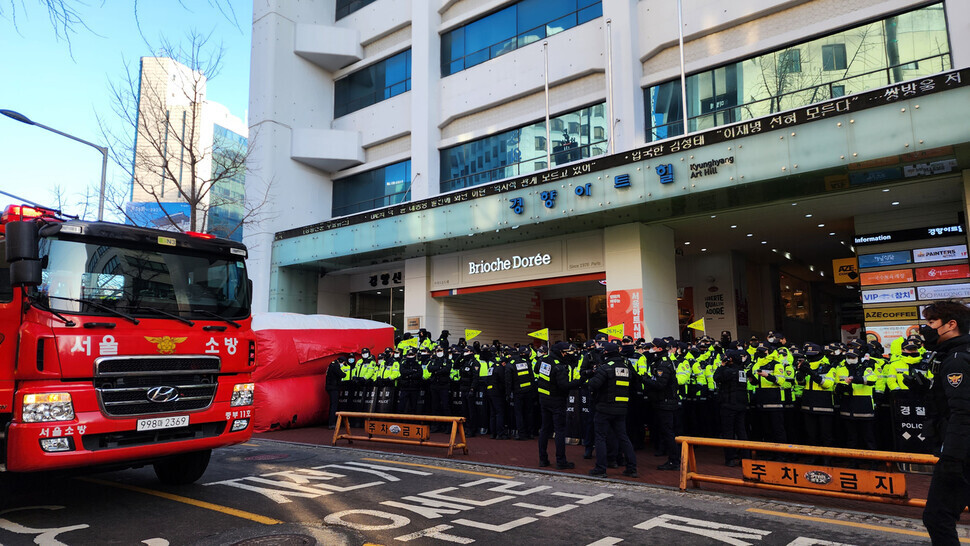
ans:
(95, 279)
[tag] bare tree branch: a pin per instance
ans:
(169, 148)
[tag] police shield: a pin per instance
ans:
(385, 399)
(911, 422)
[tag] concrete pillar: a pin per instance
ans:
(425, 103)
(640, 262)
(418, 303)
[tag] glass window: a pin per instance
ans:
(833, 57)
(6, 290)
(523, 150)
(902, 47)
(516, 26)
(372, 84)
(346, 7)
(378, 188)
(790, 61)
(96, 279)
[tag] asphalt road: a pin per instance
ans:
(277, 493)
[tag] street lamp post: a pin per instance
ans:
(104, 150)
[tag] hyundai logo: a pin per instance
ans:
(161, 395)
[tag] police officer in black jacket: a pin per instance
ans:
(553, 386)
(440, 369)
(732, 384)
(611, 390)
(945, 333)
(409, 383)
(335, 376)
(661, 385)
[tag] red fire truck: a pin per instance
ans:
(120, 346)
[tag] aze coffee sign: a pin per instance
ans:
(891, 313)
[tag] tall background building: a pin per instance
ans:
(416, 179)
(175, 121)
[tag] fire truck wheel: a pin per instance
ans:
(182, 469)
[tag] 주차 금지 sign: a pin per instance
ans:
(943, 272)
(892, 313)
(944, 291)
(900, 257)
(940, 253)
(892, 276)
(401, 430)
(846, 480)
(889, 295)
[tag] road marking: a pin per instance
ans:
(846, 523)
(446, 469)
(185, 500)
(250, 445)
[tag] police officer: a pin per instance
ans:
(467, 381)
(409, 384)
(495, 391)
(661, 385)
(771, 387)
(732, 383)
(440, 368)
(857, 379)
(553, 387)
(336, 373)
(520, 384)
(815, 375)
(945, 332)
(610, 386)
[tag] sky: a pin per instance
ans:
(66, 85)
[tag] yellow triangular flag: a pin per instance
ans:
(697, 325)
(541, 334)
(614, 331)
(413, 342)
(471, 334)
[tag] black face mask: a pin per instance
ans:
(815, 358)
(930, 336)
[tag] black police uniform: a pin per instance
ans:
(732, 383)
(440, 369)
(661, 386)
(553, 387)
(520, 383)
(335, 375)
(949, 490)
(610, 386)
(409, 385)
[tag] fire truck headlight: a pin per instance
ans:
(242, 394)
(239, 424)
(53, 445)
(40, 408)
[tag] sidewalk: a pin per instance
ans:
(524, 454)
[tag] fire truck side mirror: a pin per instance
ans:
(249, 295)
(22, 241)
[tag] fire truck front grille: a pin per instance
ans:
(162, 365)
(113, 440)
(147, 395)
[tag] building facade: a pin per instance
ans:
(181, 134)
(507, 166)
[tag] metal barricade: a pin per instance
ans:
(394, 428)
(815, 480)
